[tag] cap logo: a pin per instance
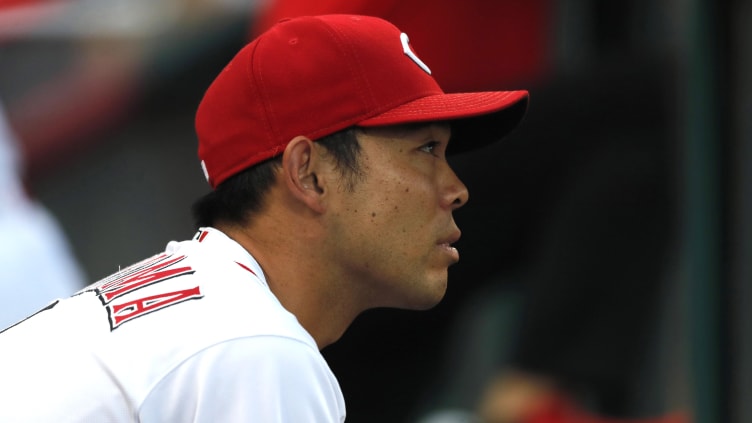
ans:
(206, 172)
(409, 53)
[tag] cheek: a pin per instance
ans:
(401, 202)
(399, 208)
(405, 218)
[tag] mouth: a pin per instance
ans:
(445, 245)
(450, 251)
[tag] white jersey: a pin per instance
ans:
(190, 335)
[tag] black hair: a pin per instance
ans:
(236, 199)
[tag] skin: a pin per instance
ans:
(329, 252)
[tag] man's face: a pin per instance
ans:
(393, 232)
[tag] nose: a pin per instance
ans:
(456, 193)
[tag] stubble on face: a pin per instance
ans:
(391, 225)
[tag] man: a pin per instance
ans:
(325, 143)
(560, 232)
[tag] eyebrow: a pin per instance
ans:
(406, 128)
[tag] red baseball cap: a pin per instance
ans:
(317, 75)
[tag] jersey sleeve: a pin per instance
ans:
(254, 379)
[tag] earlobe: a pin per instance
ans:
(301, 164)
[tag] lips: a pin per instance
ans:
(446, 245)
(451, 238)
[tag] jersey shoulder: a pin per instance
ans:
(261, 378)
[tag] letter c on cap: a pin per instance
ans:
(409, 53)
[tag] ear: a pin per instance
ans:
(302, 164)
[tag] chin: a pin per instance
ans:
(426, 306)
(428, 299)
(421, 293)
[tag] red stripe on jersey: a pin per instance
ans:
(246, 268)
(202, 236)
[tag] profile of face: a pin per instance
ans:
(394, 229)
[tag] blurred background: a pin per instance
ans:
(607, 242)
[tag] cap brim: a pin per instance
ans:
(478, 118)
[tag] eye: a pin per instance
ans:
(430, 147)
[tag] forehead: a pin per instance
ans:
(410, 130)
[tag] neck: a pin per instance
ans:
(298, 274)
